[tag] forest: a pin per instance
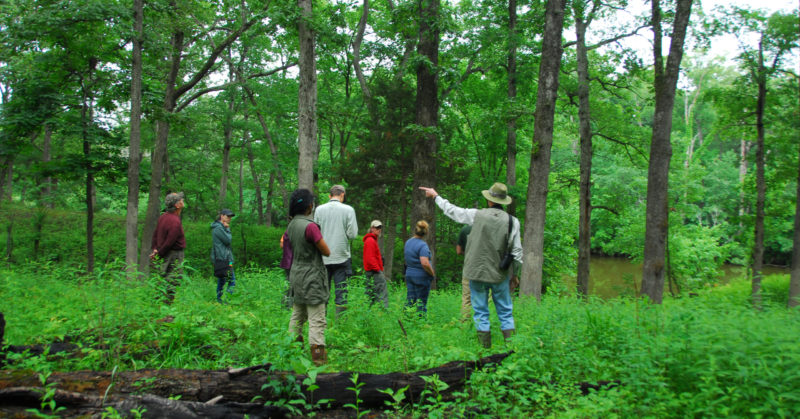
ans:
(664, 133)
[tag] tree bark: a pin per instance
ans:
(241, 185)
(237, 388)
(226, 145)
(87, 117)
(657, 218)
(307, 99)
(511, 124)
(794, 278)
(761, 186)
(585, 129)
(134, 148)
(159, 157)
(427, 106)
(533, 245)
(256, 182)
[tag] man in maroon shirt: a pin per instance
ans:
(169, 242)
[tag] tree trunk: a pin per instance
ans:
(761, 186)
(390, 229)
(511, 125)
(159, 157)
(87, 116)
(307, 99)
(533, 245)
(226, 154)
(46, 184)
(241, 185)
(427, 106)
(268, 211)
(657, 219)
(8, 179)
(134, 148)
(256, 183)
(794, 280)
(585, 129)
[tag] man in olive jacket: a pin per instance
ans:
(488, 241)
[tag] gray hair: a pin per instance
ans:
(337, 190)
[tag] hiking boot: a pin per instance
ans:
(507, 334)
(485, 339)
(319, 355)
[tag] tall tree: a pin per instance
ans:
(307, 98)
(427, 106)
(794, 280)
(134, 147)
(665, 83)
(173, 92)
(533, 246)
(511, 124)
(584, 13)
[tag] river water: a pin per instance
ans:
(611, 277)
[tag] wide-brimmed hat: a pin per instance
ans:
(498, 194)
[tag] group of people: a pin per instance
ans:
(316, 253)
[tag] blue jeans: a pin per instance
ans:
(230, 279)
(479, 293)
(418, 288)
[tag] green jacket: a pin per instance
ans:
(488, 242)
(221, 239)
(308, 279)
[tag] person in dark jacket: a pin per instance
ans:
(308, 278)
(373, 266)
(221, 252)
(168, 244)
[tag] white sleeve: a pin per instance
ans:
(457, 214)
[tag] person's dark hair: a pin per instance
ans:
(300, 201)
(421, 228)
(495, 205)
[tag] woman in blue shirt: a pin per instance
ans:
(419, 270)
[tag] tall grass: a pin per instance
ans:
(708, 356)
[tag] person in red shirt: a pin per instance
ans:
(373, 266)
(168, 244)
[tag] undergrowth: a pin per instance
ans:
(708, 356)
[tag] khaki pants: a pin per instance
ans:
(317, 321)
(466, 301)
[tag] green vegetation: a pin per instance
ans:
(711, 355)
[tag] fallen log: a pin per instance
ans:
(241, 390)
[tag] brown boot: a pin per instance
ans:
(319, 355)
(507, 334)
(485, 339)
